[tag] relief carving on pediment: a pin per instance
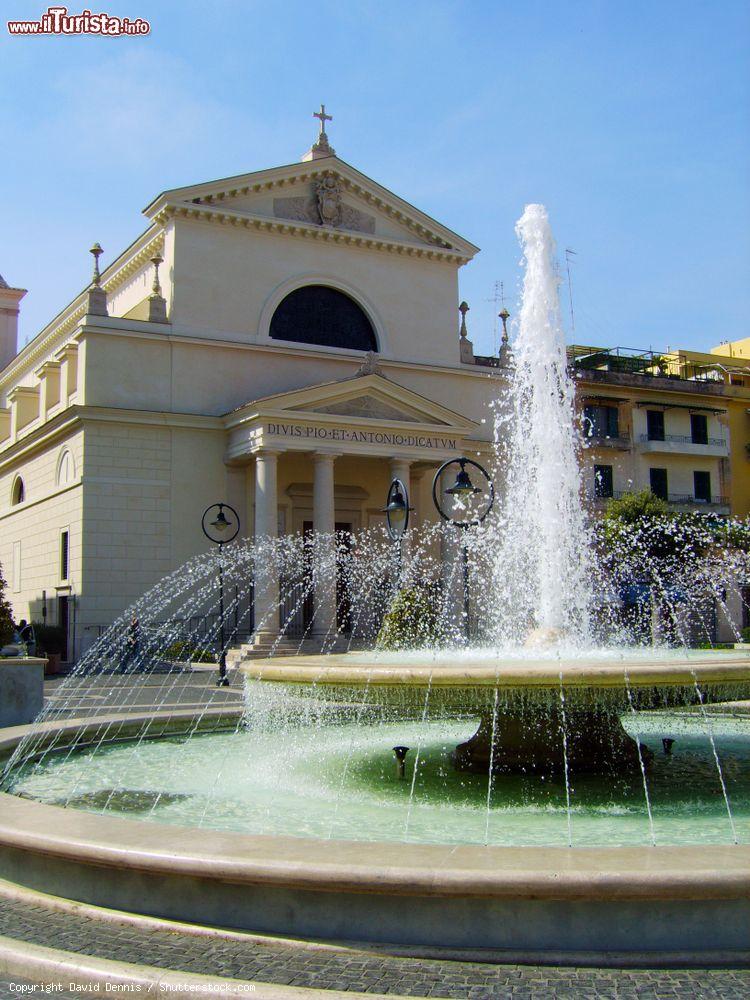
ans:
(300, 209)
(324, 207)
(366, 406)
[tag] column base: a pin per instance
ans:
(533, 744)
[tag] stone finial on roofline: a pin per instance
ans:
(466, 346)
(157, 304)
(506, 355)
(96, 304)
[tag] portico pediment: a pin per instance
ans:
(326, 195)
(369, 413)
(367, 397)
(368, 405)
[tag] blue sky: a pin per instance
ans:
(629, 121)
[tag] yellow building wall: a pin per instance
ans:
(737, 402)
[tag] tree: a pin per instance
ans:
(670, 565)
(633, 507)
(640, 528)
(7, 624)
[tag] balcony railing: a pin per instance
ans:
(689, 498)
(607, 440)
(686, 439)
(630, 361)
(675, 498)
(614, 495)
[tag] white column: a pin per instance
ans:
(417, 482)
(451, 554)
(400, 470)
(266, 527)
(324, 526)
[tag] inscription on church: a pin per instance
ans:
(342, 434)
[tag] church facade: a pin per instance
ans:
(286, 341)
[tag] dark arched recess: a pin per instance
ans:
(318, 314)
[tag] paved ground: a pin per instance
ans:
(291, 964)
(100, 693)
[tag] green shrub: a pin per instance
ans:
(187, 652)
(413, 621)
(49, 638)
(745, 634)
(715, 645)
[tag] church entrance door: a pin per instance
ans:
(344, 541)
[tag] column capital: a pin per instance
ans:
(268, 453)
(319, 456)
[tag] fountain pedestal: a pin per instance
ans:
(532, 743)
(526, 697)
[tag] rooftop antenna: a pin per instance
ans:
(568, 252)
(498, 298)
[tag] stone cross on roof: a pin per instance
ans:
(323, 118)
(321, 147)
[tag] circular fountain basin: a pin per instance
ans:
(627, 903)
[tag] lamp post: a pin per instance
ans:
(463, 487)
(221, 530)
(396, 512)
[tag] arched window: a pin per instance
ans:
(318, 314)
(18, 493)
(66, 469)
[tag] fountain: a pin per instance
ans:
(559, 789)
(538, 537)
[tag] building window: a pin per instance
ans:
(698, 428)
(16, 567)
(655, 424)
(18, 491)
(66, 470)
(658, 478)
(603, 481)
(601, 421)
(317, 314)
(702, 486)
(64, 554)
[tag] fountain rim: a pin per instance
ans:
(350, 670)
(712, 871)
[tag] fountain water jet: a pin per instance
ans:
(539, 533)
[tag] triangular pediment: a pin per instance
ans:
(362, 398)
(326, 193)
(368, 405)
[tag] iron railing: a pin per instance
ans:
(608, 440)
(630, 361)
(685, 439)
(700, 501)
(676, 498)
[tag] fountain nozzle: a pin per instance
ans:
(667, 743)
(401, 753)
